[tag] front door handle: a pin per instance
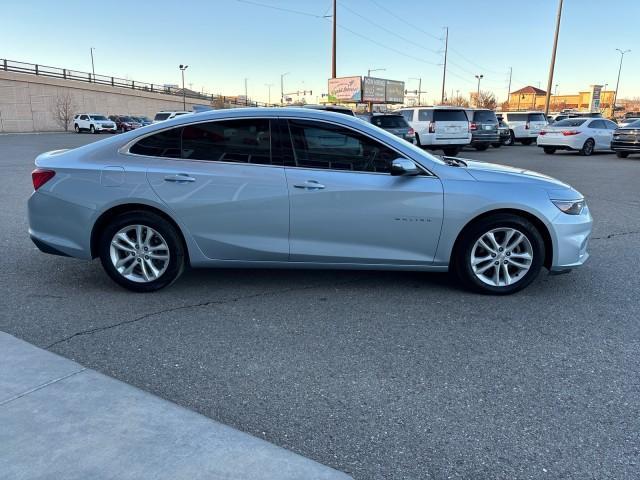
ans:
(179, 178)
(309, 185)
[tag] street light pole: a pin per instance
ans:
(375, 70)
(444, 69)
(92, 67)
(615, 95)
(419, 92)
(479, 77)
(282, 87)
(333, 50)
(246, 95)
(553, 60)
(269, 85)
(184, 93)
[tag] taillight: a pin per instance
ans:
(432, 127)
(568, 133)
(473, 126)
(40, 176)
(527, 126)
(411, 131)
(542, 132)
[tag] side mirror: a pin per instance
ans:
(404, 167)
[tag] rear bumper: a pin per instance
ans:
(492, 137)
(561, 143)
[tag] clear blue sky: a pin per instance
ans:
(224, 41)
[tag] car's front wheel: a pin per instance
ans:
(499, 255)
(622, 154)
(76, 128)
(92, 129)
(141, 251)
(549, 150)
(451, 151)
(496, 145)
(481, 147)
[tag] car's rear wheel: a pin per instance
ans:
(587, 148)
(481, 146)
(141, 251)
(499, 255)
(622, 154)
(92, 129)
(451, 152)
(549, 150)
(510, 140)
(526, 141)
(496, 145)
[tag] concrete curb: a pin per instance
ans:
(61, 420)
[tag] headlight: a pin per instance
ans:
(570, 207)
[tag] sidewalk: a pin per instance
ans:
(61, 420)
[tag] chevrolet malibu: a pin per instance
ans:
(298, 188)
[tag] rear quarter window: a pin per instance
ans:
(162, 144)
(161, 116)
(425, 115)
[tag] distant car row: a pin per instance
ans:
(587, 135)
(97, 123)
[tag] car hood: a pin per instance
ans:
(493, 172)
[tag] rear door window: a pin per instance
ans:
(569, 123)
(449, 116)
(242, 141)
(162, 144)
(597, 124)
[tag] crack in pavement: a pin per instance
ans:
(611, 235)
(91, 331)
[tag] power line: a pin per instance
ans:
(393, 14)
(282, 9)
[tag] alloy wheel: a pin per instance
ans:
(139, 253)
(501, 257)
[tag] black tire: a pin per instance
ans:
(510, 140)
(451, 151)
(481, 147)
(587, 148)
(418, 144)
(526, 141)
(92, 129)
(461, 257)
(622, 154)
(170, 235)
(496, 145)
(549, 150)
(76, 128)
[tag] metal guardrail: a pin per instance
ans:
(67, 74)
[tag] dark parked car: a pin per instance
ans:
(626, 140)
(504, 136)
(483, 125)
(393, 123)
(142, 120)
(124, 123)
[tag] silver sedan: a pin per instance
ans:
(298, 188)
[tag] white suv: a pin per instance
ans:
(93, 122)
(445, 128)
(168, 115)
(523, 126)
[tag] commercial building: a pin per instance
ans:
(532, 98)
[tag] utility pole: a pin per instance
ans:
(444, 69)
(92, 67)
(615, 95)
(419, 91)
(269, 85)
(479, 77)
(246, 95)
(333, 52)
(184, 96)
(553, 60)
(509, 89)
(282, 87)
(375, 70)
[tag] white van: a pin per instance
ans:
(168, 115)
(444, 128)
(523, 126)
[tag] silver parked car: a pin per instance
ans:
(298, 188)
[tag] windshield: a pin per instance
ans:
(569, 123)
(98, 117)
(390, 121)
(635, 123)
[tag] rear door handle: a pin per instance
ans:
(309, 185)
(179, 178)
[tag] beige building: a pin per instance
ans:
(532, 98)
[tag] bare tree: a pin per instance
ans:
(459, 101)
(486, 100)
(62, 110)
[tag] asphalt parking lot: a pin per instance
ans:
(383, 375)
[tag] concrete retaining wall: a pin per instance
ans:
(26, 101)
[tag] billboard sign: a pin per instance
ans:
(345, 89)
(595, 98)
(394, 91)
(374, 89)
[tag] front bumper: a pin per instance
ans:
(572, 233)
(625, 146)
